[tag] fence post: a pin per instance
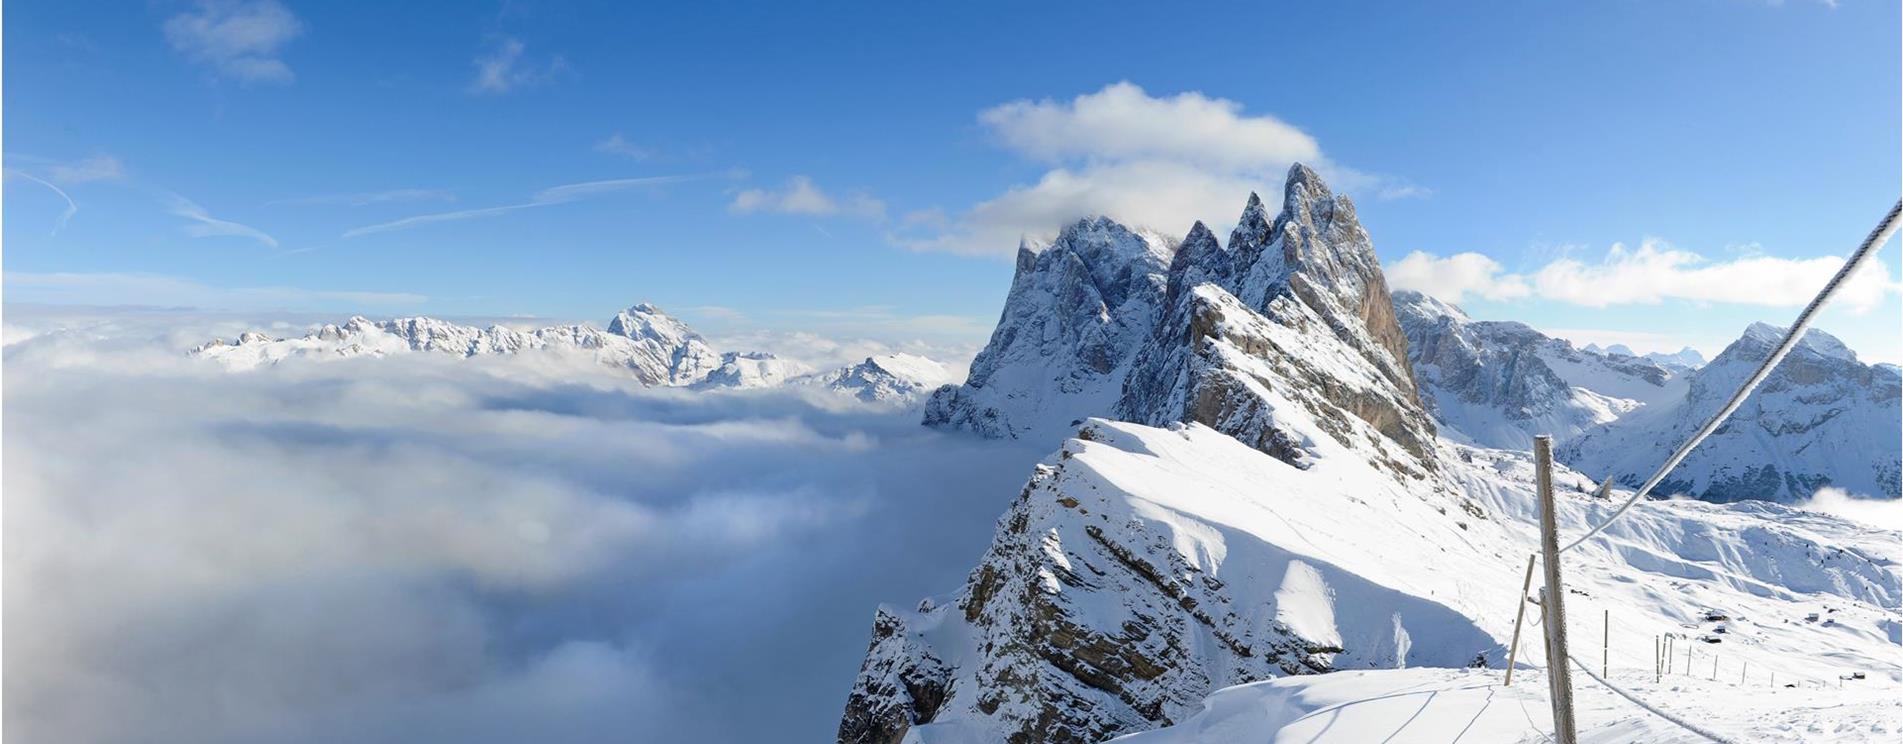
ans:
(1519, 613)
(1605, 642)
(1553, 597)
(1714, 666)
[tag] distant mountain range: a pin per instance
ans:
(654, 347)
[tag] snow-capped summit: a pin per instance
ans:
(655, 347)
(1498, 383)
(888, 378)
(1293, 313)
(752, 369)
(1292, 316)
(1822, 418)
(1077, 312)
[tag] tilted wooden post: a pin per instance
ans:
(1519, 613)
(1553, 598)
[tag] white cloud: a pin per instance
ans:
(206, 226)
(503, 69)
(1880, 513)
(65, 215)
(95, 168)
(169, 291)
(1656, 271)
(1159, 162)
(802, 196)
(420, 548)
(237, 39)
(548, 197)
(1123, 123)
(1454, 277)
(615, 144)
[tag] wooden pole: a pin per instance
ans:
(1605, 642)
(1553, 598)
(1743, 672)
(1714, 666)
(1519, 613)
(1658, 671)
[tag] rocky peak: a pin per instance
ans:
(1077, 312)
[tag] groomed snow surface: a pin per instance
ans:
(1443, 706)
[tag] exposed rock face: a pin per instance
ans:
(1294, 312)
(1499, 383)
(1822, 418)
(1141, 569)
(1077, 313)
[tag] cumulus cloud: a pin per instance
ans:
(1454, 277)
(1161, 162)
(237, 39)
(420, 548)
(503, 68)
(801, 196)
(1652, 273)
(1880, 513)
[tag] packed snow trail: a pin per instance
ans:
(1886, 228)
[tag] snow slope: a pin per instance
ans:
(1142, 569)
(1436, 706)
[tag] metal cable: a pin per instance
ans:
(1634, 699)
(1877, 238)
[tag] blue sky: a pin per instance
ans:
(1647, 172)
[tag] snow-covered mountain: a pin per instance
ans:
(657, 348)
(1823, 418)
(1098, 611)
(1498, 383)
(1293, 312)
(1686, 357)
(1078, 312)
(888, 378)
(1277, 503)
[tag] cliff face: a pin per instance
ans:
(1077, 312)
(1294, 312)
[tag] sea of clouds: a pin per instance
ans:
(422, 548)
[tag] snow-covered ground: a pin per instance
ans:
(1445, 706)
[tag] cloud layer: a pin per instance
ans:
(1653, 272)
(427, 549)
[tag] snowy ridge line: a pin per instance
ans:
(1634, 699)
(1884, 230)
